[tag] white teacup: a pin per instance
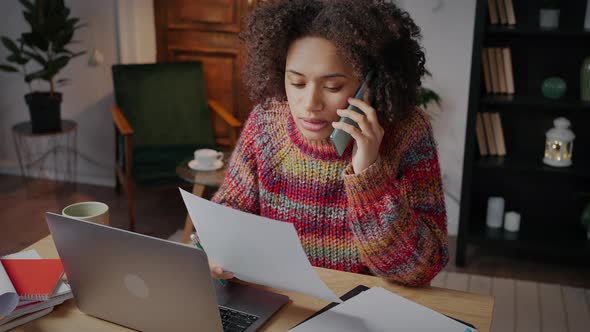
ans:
(207, 157)
(96, 212)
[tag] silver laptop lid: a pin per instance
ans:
(135, 280)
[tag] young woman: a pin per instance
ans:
(379, 208)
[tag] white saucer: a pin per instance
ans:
(194, 165)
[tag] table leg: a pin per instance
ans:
(188, 224)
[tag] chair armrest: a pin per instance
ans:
(121, 122)
(224, 114)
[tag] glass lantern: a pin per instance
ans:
(559, 144)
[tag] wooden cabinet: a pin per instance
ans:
(207, 31)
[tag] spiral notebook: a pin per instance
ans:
(34, 279)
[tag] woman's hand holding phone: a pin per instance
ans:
(367, 138)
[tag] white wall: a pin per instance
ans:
(447, 29)
(90, 94)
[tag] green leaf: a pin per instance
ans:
(36, 75)
(27, 4)
(8, 68)
(10, 45)
(35, 40)
(30, 19)
(80, 26)
(428, 96)
(15, 58)
(61, 62)
(72, 22)
(74, 55)
(36, 57)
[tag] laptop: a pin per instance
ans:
(150, 284)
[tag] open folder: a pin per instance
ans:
(254, 248)
(379, 310)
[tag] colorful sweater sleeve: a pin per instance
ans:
(239, 189)
(396, 211)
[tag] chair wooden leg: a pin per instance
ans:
(117, 184)
(130, 204)
(188, 224)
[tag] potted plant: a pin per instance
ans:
(52, 30)
(549, 14)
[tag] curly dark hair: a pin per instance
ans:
(369, 34)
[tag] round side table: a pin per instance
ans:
(50, 154)
(200, 179)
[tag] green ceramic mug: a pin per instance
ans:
(96, 212)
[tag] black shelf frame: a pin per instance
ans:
(518, 31)
(515, 164)
(514, 101)
(534, 241)
(549, 226)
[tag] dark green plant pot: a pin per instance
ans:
(45, 111)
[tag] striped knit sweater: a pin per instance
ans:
(389, 220)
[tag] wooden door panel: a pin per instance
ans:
(193, 40)
(211, 15)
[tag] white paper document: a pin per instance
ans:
(379, 310)
(254, 248)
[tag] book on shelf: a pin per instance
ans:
(510, 15)
(25, 273)
(498, 134)
(489, 131)
(493, 11)
(490, 134)
(485, 62)
(507, 57)
(502, 11)
(480, 135)
(497, 70)
(500, 69)
(493, 69)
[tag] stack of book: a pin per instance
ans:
(497, 70)
(490, 135)
(30, 287)
(501, 12)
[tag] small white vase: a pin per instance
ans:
(549, 18)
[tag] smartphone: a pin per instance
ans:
(340, 139)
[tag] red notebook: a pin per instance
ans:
(34, 279)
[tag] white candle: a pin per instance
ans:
(495, 212)
(512, 221)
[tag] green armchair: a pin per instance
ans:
(161, 116)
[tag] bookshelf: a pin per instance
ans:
(550, 200)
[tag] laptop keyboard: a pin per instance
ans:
(235, 321)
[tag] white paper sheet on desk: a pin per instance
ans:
(379, 310)
(255, 249)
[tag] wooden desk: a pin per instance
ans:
(472, 308)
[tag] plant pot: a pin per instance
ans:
(549, 18)
(45, 110)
